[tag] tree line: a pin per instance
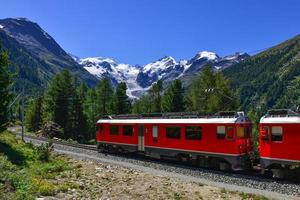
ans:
(76, 107)
(5, 87)
(208, 92)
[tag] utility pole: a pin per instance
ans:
(22, 111)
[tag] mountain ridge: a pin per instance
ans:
(36, 54)
(140, 78)
(38, 57)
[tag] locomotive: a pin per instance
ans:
(222, 140)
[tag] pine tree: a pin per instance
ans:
(82, 91)
(63, 106)
(120, 102)
(254, 116)
(142, 105)
(5, 95)
(172, 100)
(210, 92)
(104, 93)
(90, 111)
(155, 94)
(33, 117)
(78, 120)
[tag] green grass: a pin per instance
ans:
(251, 196)
(23, 175)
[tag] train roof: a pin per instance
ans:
(173, 118)
(281, 116)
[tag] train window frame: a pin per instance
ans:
(221, 132)
(111, 131)
(168, 136)
(278, 136)
(198, 133)
(154, 131)
(129, 133)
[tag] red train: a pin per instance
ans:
(279, 142)
(221, 141)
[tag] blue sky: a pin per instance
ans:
(140, 31)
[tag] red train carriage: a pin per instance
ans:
(279, 141)
(223, 139)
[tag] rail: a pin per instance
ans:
(77, 145)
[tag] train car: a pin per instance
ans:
(279, 142)
(222, 140)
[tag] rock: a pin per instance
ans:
(51, 130)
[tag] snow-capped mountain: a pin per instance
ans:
(107, 67)
(140, 78)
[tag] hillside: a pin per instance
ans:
(262, 80)
(36, 55)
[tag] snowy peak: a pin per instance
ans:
(97, 60)
(107, 67)
(207, 55)
(160, 65)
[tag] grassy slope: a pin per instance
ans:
(23, 175)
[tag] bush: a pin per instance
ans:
(29, 177)
(47, 190)
(44, 151)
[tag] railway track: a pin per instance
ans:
(245, 182)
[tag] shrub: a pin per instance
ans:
(46, 189)
(44, 151)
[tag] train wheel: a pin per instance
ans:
(224, 166)
(184, 158)
(283, 173)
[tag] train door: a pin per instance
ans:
(141, 138)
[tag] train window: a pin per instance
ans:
(173, 132)
(193, 132)
(114, 130)
(154, 131)
(265, 133)
(128, 130)
(276, 133)
(229, 133)
(241, 132)
(221, 132)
